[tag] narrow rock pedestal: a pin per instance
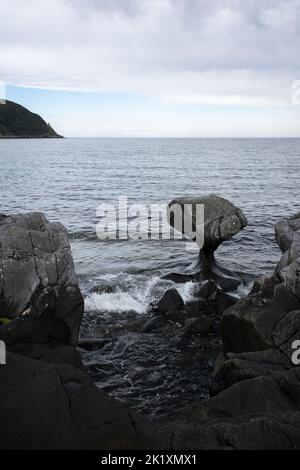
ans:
(220, 221)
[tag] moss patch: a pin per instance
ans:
(4, 321)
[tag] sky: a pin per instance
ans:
(155, 68)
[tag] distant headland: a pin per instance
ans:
(17, 122)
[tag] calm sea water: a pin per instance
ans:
(68, 179)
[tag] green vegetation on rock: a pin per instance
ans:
(5, 321)
(18, 122)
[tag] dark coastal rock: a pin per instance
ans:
(170, 307)
(199, 325)
(154, 323)
(260, 330)
(287, 232)
(216, 301)
(222, 220)
(251, 323)
(39, 293)
(52, 407)
(195, 308)
(259, 413)
(239, 367)
(170, 301)
(211, 302)
(93, 344)
(207, 289)
(103, 289)
(255, 414)
(268, 318)
(47, 353)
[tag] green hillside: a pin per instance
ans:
(17, 121)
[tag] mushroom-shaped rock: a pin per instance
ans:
(208, 220)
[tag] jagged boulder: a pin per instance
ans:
(40, 301)
(260, 331)
(239, 367)
(269, 317)
(287, 233)
(169, 302)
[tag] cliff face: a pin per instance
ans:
(18, 122)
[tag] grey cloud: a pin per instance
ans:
(157, 47)
(127, 7)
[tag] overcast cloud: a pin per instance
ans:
(230, 51)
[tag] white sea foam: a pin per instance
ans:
(187, 290)
(134, 293)
(114, 302)
(243, 290)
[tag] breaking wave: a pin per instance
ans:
(132, 293)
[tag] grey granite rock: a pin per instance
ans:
(287, 233)
(169, 302)
(268, 318)
(259, 333)
(38, 283)
(222, 219)
(208, 221)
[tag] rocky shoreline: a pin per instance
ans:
(49, 402)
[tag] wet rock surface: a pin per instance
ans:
(170, 301)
